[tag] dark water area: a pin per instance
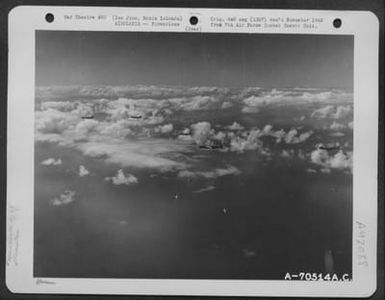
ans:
(271, 219)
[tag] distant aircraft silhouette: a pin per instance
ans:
(185, 132)
(87, 117)
(213, 145)
(135, 116)
(329, 148)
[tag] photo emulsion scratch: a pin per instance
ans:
(193, 156)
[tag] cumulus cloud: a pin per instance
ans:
(250, 142)
(51, 162)
(53, 121)
(83, 171)
(292, 136)
(340, 161)
(253, 99)
(84, 109)
(63, 199)
(194, 98)
(212, 174)
(84, 127)
(287, 154)
(198, 103)
(121, 178)
(226, 104)
(122, 141)
(263, 97)
(167, 128)
(333, 112)
(201, 131)
(337, 126)
(321, 96)
(235, 126)
(342, 112)
(323, 112)
(133, 119)
(118, 129)
(160, 154)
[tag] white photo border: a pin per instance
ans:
(25, 20)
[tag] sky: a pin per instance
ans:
(193, 59)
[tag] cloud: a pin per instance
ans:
(325, 170)
(322, 96)
(323, 112)
(337, 126)
(122, 141)
(167, 128)
(84, 109)
(160, 154)
(250, 142)
(301, 118)
(205, 189)
(235, 126)
(65, 198)
(83, 171)
(220, 136)
(185, 137)
(226, 104)
(51, 162)
(121, 178)
(301, 154)
(340, 160)
(342, 112)
(192, 98)
(201, 131)
(134, 92)
(118, 129)
(292, 138)
(249, 253)
(212, 174)
(250, 110)
(54, 121)
(254, 101)
(287, 154)
(130, 121)
(255, 98)
(267, 130)
(64, 106)
(199, 103)
(333, 112)
(279, 135)
(84, 127)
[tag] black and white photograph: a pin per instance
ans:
(193, 152)
(162, 155)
